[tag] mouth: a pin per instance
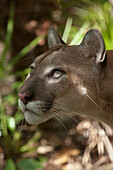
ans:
(32, 117)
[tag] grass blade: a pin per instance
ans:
(3, 121)
(76, 40)
(67, 29)
(10, 165)
(26, 49)
(9, 32)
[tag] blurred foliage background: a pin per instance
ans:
(23, 30)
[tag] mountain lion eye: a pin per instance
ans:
(32, 68)
(57, 74)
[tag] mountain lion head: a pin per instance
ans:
(66, 80)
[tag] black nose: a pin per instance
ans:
(24, 97)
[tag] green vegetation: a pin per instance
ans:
(99, 16)
(93, 15)
(9, 123)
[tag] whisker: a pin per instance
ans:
(65, 116)
(63, 107)
(53, 113)
(71, 117)
(35, 51)
(22, 122)
(60, 111)
(92, 100)
(58, 118)
(56, 109)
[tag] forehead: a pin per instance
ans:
(64, 57)
(51, 57)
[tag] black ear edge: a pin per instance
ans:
(54, 39)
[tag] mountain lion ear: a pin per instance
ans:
(94, 43)
(54, 39)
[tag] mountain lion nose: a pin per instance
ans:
(24, 97)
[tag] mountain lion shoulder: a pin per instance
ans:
(70, 80)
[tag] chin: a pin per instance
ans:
(35, 119)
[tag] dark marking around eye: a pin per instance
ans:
(32, 67)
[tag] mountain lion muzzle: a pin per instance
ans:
(70, 80)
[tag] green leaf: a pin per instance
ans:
(27, 146)
(3, 120)
(10, 98)
(10, 165)
(18, 116)
(9, 32)
(11, 124)
(26, 49)
(29, 164)
(78, 37)
(67, 29)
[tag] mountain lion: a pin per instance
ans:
(70, 80)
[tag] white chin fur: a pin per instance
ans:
(22, 106)
(33, 115)
(34, 119)
(34, 107)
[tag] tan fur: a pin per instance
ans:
(85, 87)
